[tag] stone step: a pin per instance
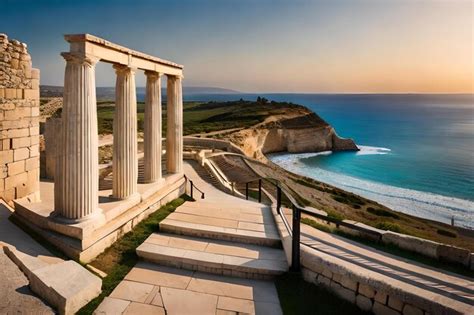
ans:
(214, 256)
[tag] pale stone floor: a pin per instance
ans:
(15, 295)
(152, 289)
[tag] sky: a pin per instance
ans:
(338, 46)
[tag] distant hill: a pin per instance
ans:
(109, 92)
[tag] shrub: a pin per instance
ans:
(388, 226)
(335, 215)
(447, 233)
(382, 213)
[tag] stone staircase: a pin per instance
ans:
(222, 235)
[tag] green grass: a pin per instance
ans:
(120, 258)
(389, 226)
(316, 225)
(447, 233)
(300, 297)
(383, 213)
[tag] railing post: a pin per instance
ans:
(259, 190)
(191, 182)
(233, 189)
(278, 199)
(295, 247)
(247, 191)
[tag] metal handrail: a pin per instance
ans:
(295, 231)
(192, 186)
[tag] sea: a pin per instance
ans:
(416, 150)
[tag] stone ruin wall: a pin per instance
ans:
(19, 122)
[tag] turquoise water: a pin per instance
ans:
(417, 150)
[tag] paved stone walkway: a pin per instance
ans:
(15, 295)
(203, 283)
(409, 276)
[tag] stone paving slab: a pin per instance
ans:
(217, 256)
(177, 291)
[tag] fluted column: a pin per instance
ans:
(152, 132)
(174, 131)
(77, 181)
(125, 164)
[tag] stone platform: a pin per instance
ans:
(86, 239)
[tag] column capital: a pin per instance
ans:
(153, 74)
(79, 58)
(123, 69)
(174, 77)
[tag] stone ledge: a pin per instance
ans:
(66, 285)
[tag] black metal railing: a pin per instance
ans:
(193, 187)
(294, 229)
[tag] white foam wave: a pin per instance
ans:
(422, 204)
(368, 150)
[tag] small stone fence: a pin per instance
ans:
(431, 249)
(19, 122)
(214, 144)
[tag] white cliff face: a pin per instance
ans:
(309, 136)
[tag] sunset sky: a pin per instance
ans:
(389, 46)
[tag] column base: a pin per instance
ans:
(132, 196)
(97, 216)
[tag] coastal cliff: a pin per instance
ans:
(297, 132)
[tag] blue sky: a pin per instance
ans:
(266, 46)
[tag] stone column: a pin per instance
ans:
(174, 131)
(125, 164)
(152, 132)
(77, 171)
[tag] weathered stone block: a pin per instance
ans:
(395, 303)
(366, 290)
(34, 131)
(380, 309)
(327, 273)
(49, 283)
(8, 194)
(34, 150)
(16, 168)
(453, 254)
(381, 297)
(349, 283)
(10, 93)
(18, 133)
(15, 180)
(31, 94)
(364, 303)
(344, 293)
(2, 93)
(336, 277)
(411, 243)
(31, 163)
(2, 184)
(7, 106)
(411, 310)
(323, 280)
(6, 156)
(21, 142)
(35, 73)
(21, 154)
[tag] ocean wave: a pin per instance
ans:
(368, 150)
(422, 204)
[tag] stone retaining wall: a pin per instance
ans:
(19, 122)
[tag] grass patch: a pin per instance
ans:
(120, 258)
(389, 226)
(316, 225)
(348, 199)
(383, 213)
(446, 233)
(300, 297)
(335, 215)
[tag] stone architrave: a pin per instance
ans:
(76, 183)
(153, 128)
(125, 164)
